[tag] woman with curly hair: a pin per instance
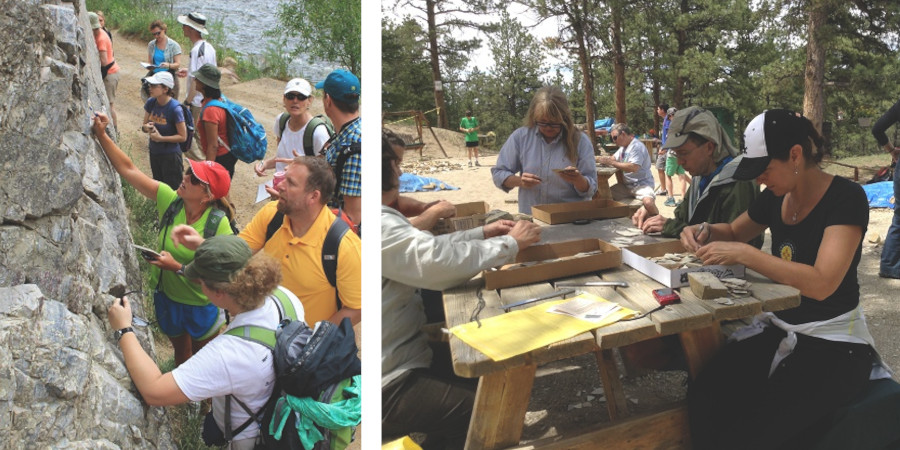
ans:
(229, 366)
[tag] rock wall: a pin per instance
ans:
(65, 245)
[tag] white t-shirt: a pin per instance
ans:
(209, 57)
(232, 365)
(293, 140)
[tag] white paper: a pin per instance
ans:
(148, 66)
(585, 309)
(261, 193)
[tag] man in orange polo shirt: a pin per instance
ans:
(297, 243)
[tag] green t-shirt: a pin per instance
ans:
(179, 288)
(467, 123)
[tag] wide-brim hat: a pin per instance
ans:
(209, 75)
(218, 259)
(769, 135)
(213, 175)
(692, 119)
(300, 86)
(163, 78)
(94, 19)
(194, 20)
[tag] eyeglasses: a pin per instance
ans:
(683, 154)
(295, 96)
(194, 180)
(157, 33)
(690, 116)
(614, 137)
(555, 126)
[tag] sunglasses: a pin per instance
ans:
(194, 180)
(614, 136)
(295, 96)
(555, 126)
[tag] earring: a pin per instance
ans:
(796, 171)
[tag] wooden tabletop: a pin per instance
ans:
(692, 313)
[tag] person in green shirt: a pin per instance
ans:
(469, 125)
(183, 312)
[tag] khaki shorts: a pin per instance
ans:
(111, 82)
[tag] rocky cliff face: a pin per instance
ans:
(65, 245)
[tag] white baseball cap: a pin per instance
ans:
(164, 78)
(770, 135)
(298, 85)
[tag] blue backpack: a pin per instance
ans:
(246, 135)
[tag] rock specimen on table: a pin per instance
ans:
(706, 286)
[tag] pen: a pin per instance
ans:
(700, 231)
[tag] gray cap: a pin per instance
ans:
(703, 123)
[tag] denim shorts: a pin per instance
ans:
(175, 319)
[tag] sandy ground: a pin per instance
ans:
(562, 385)
(263, 97)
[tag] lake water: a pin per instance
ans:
(244, 28)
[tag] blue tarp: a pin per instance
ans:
(605, 123)
(415, 183)
(880, 194)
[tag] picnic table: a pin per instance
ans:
(504, 387)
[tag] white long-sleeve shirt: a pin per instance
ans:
(412, 259)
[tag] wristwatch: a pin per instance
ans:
(180, 272)
(119, 333)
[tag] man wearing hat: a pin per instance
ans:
(109, 69)
(194, 27)
(341, 102)
(702, 147)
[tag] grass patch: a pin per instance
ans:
(133, 17)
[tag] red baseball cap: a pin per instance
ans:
(214, 175)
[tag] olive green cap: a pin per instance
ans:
(218, 259)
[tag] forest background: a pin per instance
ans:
(834, 61)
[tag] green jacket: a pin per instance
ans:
(723, 201)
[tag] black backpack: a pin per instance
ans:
(311, 365)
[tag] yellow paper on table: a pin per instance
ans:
(404, 443)
(507, 335)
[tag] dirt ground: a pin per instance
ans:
(565, 397)
(263, 97)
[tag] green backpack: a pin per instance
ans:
(284, 435)
(311, 126)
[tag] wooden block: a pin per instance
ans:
(706, 286)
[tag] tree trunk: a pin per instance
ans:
(588, 77)
(618, 64)
(680, 80)
(436, 66)
(814, 76)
